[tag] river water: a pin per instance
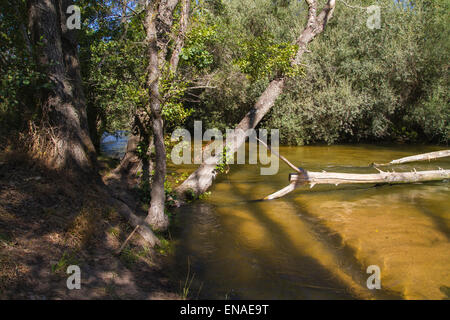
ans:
(316, 243)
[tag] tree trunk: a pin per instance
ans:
(135, 221)
(179, 42)
(420, 157)
(131, 164)
(313, 178)
(68, 145)
(156, 216)
(199, 181)
(158, 24)
(63, 106)
(163, 24)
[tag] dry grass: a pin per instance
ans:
(86, 226)
(48, 222)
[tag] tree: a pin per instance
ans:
(371, 85)
(64, 137)
(158, 23)
(199, 181)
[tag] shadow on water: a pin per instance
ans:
(440, 219)
(343, 254)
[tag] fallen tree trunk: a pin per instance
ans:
(313, 178)
(382, 177)
(420, 157)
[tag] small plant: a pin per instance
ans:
(129, 257)
(187, 282)
(165, 247)
(205, 195)
(190, 195)
(142, 150)
(66, 260)
(114, 232)
(263, 57)
(222, 166)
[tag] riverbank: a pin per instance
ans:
(47, 224)
(312, 244)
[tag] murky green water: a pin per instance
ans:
(317, 243)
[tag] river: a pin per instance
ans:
(316, 243)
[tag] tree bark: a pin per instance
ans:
(163, 25)
(165, 21)
(200, 180)
(131, 164)
(158, 24)
(63, 107)
(179, 41)
(156, 216)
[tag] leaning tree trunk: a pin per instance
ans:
(64, 137)
(199, 181)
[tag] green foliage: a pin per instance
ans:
(358, 84)
(114, 77)
(355, 84)
(371, 85)
(254, 44)
(432, 113)
(114, 64)
(20, 78)
(165, 247)
(204, 195)
(262, 58)
(130, 256)
(142, 150)
(222, 165)
(173, 109)
(195, 52)
(67, 259)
